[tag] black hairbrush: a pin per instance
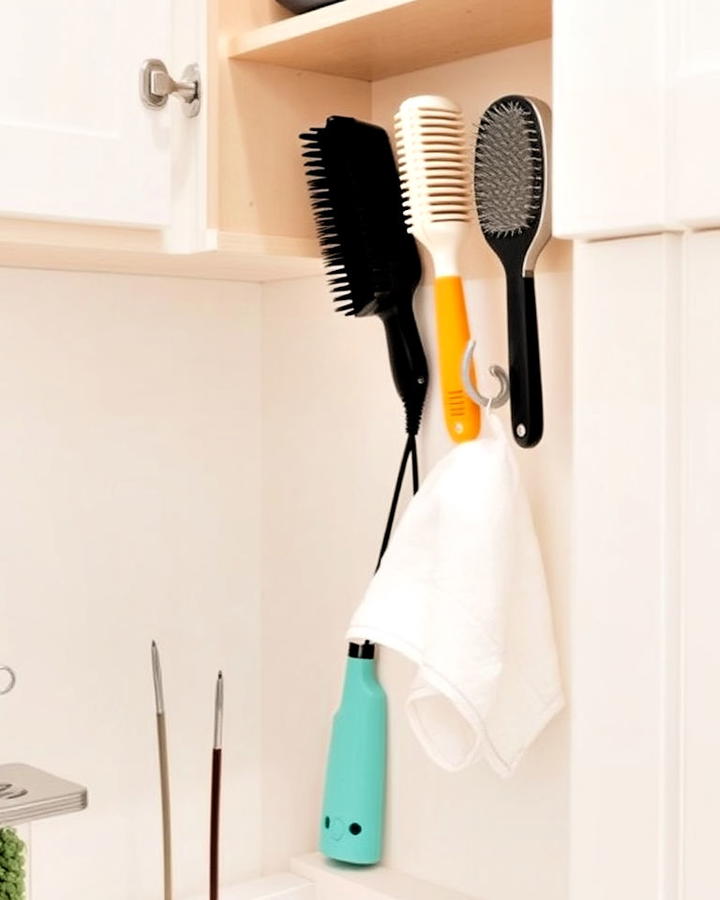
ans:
(372, 262)
(374, 269)
(512, 198)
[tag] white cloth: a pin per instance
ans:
(461, 591)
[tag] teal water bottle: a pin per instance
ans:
(353, 812)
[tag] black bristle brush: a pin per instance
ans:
(372, 262)
(512, 194)
(373, 269)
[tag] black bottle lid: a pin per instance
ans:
(365, 650)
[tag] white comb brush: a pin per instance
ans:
(435, 175)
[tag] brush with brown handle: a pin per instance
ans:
(215, 791)
(164, 772)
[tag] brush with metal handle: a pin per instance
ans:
(512, 195)
(435, 177)
(215, 790)
(164, 771)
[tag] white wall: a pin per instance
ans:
(332, 439)
(129, 502)
(130, 508)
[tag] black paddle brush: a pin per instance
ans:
(372, 262)
(512, 193)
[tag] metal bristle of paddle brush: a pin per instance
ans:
(511, 166)
(372, 263)
(508, 169)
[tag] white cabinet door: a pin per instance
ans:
(635, 86)
(645, 661)
(694, 97)
(701, 611)
(75, 141)
(609, 129)
(627, 457)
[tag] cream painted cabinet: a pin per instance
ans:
(78, 146)
(699, 776)
(644, 646)
(75, 142)
(626, 680)
(636, 86)
(693, 85)
(609, 128)
(92, 179)
(635, 90)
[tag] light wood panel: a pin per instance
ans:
(262, 186)
(371, 39)
(252, 13)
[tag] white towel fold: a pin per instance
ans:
(461, 592)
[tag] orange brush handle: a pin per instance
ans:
(462, 416)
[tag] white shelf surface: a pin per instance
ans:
(275, 887)
(334, 881)
(36, 244)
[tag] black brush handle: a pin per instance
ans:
(407, 361)
(524, 354)
(215, 823)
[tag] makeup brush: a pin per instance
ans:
(164, 771)
(215, 790)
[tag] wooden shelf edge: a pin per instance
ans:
(86, 248)
(326, 18)
(375, 39)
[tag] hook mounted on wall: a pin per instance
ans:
(503, 395)
(7, 679)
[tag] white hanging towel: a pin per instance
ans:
(461, 591)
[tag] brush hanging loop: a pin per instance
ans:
(503, 395)
(7, 679)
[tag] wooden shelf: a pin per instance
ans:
(238, 257)
(373, 39)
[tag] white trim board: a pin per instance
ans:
(625, 622)
(276, 887)
(334, 881)
(316, 878)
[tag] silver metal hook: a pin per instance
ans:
(503, 395)
(10, 681)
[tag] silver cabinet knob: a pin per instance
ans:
(156, 85)
(7, 679)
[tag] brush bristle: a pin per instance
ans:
(509, 168)
(433, 164)
(371, 261)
